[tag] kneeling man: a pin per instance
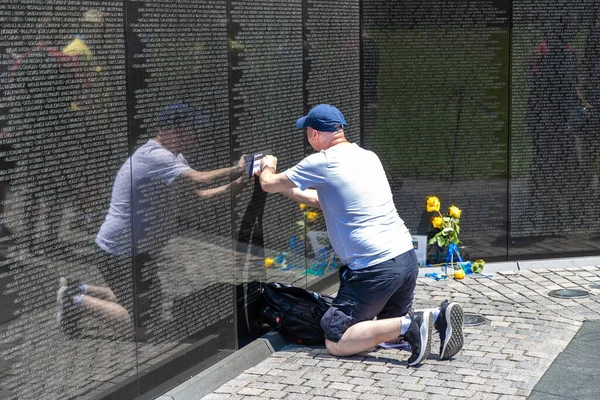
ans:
(378, 280)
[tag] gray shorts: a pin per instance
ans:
(384, 290)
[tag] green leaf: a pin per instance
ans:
(440, 241)
(445, 231)
(432, 240)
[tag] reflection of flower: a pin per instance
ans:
(437, 222)
(454, 212)
(302, 207)
(312, 216)
(269, 262)
(433, 204)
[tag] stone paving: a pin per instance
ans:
(503, 359)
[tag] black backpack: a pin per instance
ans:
(294, 312)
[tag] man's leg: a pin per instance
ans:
(103, 293)
(363, 294)
(106, 310)
(367, 334)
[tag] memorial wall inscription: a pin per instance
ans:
(332, 38)
(64, 133)
(439, 106)
(554, 142)
(267, 96)
(178, 60)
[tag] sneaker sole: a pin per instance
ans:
(425, 331)
(454, 332)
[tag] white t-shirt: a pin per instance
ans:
(149, 170)
(362, 222)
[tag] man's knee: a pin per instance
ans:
(334, 324)
(334, 348)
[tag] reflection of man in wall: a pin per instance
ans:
(141, 191)
(349, 184)
(551, 115)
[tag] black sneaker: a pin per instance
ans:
(449, 324)
(419, 336)
(67, 313)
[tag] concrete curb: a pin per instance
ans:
(225, 370)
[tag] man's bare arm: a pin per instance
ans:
(274, 183)
(208, 193)
(209, 176)
(308, 196)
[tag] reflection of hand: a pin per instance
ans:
(268, 161)
(241, 162)
(238, 184)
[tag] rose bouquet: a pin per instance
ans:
(448, 225)
(448, 228)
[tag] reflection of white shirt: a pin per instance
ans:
(154, 167)
(362, 222)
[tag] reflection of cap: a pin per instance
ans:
(324, 118)
(181, 116)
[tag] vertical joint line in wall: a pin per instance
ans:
(509, 129)
(360, 75)
(305, 60)
(229, 30)
(129, 99)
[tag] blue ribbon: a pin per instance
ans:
(435, 276)
(453, 249)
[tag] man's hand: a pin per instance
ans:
(268, 161)
(241, 164)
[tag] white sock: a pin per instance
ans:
(83, 287)
(436, 313)
(405, 324)
(77, 299)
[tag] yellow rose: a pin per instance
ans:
(302, 206)
(433, 204)
(312, 216)
(437, 222)
(269, 262)
(459, 274)
(454, 212)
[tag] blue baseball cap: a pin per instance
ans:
(180, 115)
(324, 118)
